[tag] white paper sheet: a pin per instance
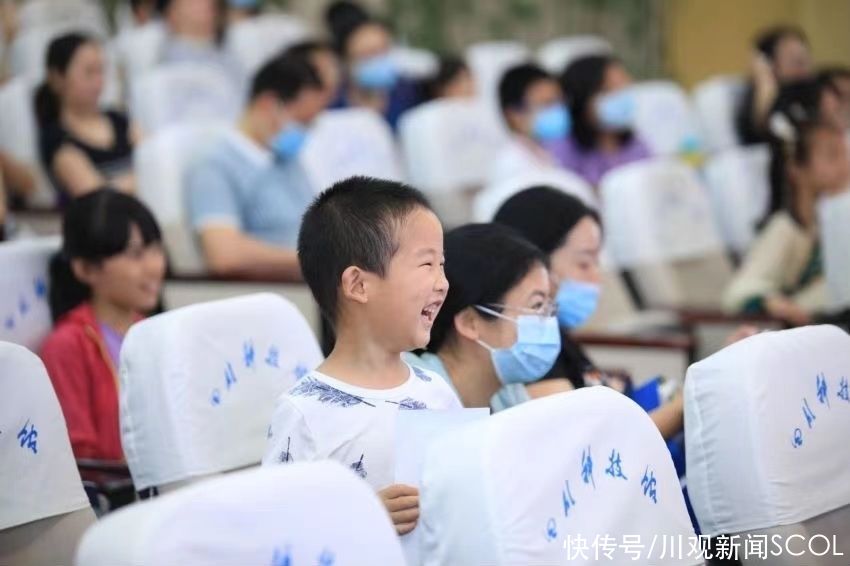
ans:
(415, 430)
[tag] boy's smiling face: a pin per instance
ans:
(407, 299)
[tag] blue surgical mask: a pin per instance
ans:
(376, 73)
(288, 142)
(577, 302)
(534, 353)
(551, 123)
(616, 111)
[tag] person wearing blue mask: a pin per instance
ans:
(603, 109)
(534, 112)
(496, 332)
(372, 77)
(247, 194)
(570, 234)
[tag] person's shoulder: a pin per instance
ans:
(314, 392)
(68, 334)
(434, 386)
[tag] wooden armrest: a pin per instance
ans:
(702, 316)
(681, 342)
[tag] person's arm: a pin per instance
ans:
(402, 503)
(765, 90)
(670, 417)
(229, 252)
(550, 386)
(18, 177)
(70, 379)
(75, 171)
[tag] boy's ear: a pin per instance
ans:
(467, 324)
(353, 285)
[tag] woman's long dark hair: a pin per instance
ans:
(581, 81)
(96, 227)
(60, 53)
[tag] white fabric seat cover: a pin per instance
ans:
(256, 40)
(24, 284)
(834, 221)
(352, 141)
(766, 423)
(716, 101)
(449, 145)
(161, 163)
(556, 55)
(739, 185)
(38, 474)
(657, 210)
(179, 93)
(517, 487)
(199, 385)
(665, 119)
(315, 513)
(489, 200)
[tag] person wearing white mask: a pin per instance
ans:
(533, 109)
(571, 234)
(496, 331)
(603, 111)
(372, 80)
(247, 195)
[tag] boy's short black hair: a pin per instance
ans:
(354, 222)
(285, 75)
(307, 48)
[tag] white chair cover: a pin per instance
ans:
(304, 513)
(657, 210)
(834, 221)
(140, 48)
(449, 145)
(348, 142)
(29, 50)
(739, 184)
(526, 485)
(665, 119)
(24, 280)
(766, 423)
(80, 13)
(413, 62)
(199, 385)
(37, 468)
(161, 163)
(557, 54)
(716, 102)
(180, 93)
(19, 135)
(255, 40)
(488, 61)
(488, 201)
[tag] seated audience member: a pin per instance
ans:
(782, 274)
(453, 79)
(781, 57)
(372, 79)
(807, 100)
(18, 177)
(323, 58)
(839, 78)
(603, 112)
(107, 276)
(82, 147)
(195, 34)
(534, 111)
(247, 195)
(571, 234)
(497, 330)
(143, 11)
(372, 254)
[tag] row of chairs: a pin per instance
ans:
(764, 425)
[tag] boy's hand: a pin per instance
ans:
(402, 503)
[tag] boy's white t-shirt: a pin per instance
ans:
(324, 418)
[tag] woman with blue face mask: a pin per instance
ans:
(372, 78)
(496, 331)
(570, 234)
(603, 110)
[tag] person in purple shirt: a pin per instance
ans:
(603, 110)
(372, 78)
